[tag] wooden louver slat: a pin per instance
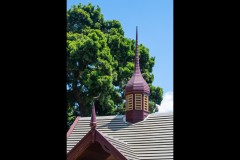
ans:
(129, 102)
(138, 101)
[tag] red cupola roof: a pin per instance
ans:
(137, 83)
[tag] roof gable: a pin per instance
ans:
(92, 136)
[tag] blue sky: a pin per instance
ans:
(154, 19)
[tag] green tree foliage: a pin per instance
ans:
(154, 98)
(100, 61)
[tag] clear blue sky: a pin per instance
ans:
(154, 19)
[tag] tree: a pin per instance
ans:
(100, 61)
(89, 69)
(154, 98)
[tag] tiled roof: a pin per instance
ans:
(123, 148)
(150, 139)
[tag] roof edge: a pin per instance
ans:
(72, 126)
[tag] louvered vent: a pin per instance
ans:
(129, 102)
(138, 101)
(145, 102)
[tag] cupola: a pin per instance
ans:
(137, 92)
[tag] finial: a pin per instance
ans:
(136, 36)
(136, 68)
(93, 123)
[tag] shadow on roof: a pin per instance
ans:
(117, 123)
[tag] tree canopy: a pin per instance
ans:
(100, 61)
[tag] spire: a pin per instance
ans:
(137, 92)
(137, 82)
(137, 68)
(93, 123)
